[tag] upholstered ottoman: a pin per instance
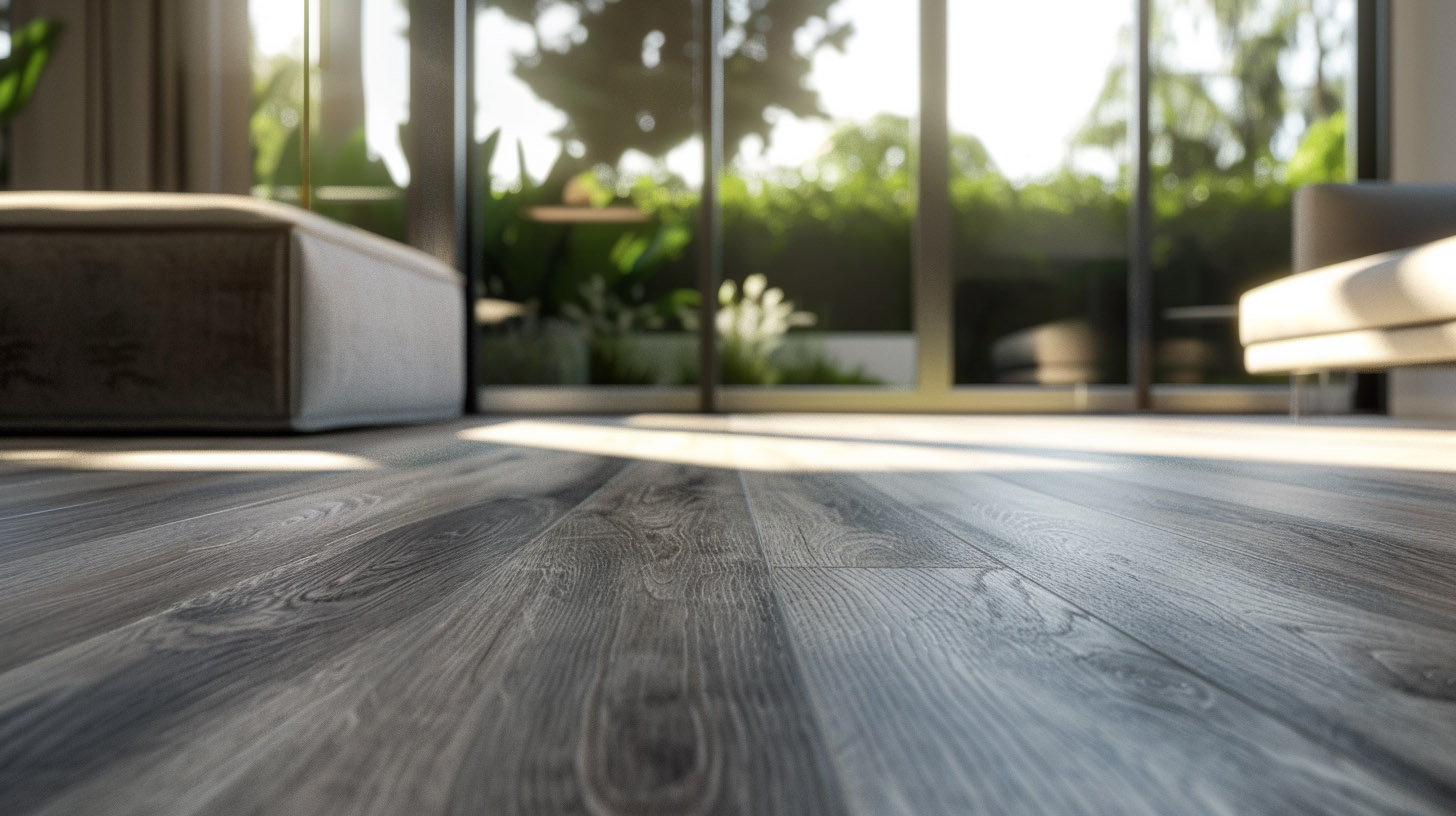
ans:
(217, 312)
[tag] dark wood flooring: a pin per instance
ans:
(751, 615)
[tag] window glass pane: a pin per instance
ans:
(359, 70)
(819, 195)
(591, 165)
(1039, 190)
(1248, 103)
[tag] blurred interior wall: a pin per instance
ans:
(1423, 150)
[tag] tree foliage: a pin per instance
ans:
(341, 165)
(1198, 123)
(30, 50)
(623, 75)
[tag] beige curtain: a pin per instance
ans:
(139, 95)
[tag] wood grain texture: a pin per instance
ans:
(656, 676)
(67, 715)
(974, 691)
(628, 661)
(1365, 567)
(60, 507)
(1278, 491)
(136, 508)
(766, 614)
(632, 661)
(835, 520)
(1300, 655)
(52, 603)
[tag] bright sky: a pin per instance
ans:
(1022, 104)
(1023, 76)
(278, 29)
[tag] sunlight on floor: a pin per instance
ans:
(846, 443)
(1274, 440)
(708, 446)
(187, 460)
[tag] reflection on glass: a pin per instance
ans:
(1039, 190)
(592, 163)
(819, 194)
(587, 140)
(359, 75)
(1248, 104)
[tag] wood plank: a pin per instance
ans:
(1345, 455)
(975, 691)
(656, 677)
(629, 661)
(835, 520)
(1401, 492)
(1419, 522)
(67, 716)
(51, 490)
(59, 598)
(1370, 686)
(134, 508)
(85, 578)
(105, 503)
(1390, 574)
(456, 632)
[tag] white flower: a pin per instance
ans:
(726, 293)
(753, 286)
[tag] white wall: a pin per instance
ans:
(1423, 149)
(1423, 87)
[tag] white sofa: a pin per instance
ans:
(178, 311)
(1374, 285)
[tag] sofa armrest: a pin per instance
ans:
(1338, 222)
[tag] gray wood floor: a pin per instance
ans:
(756, 614)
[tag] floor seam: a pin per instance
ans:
(796, 661)
(1382, 769)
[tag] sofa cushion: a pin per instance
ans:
(1405, 287)
(203, 311)
(1361, 349)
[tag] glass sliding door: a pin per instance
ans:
(1248, 104)
(1039, 190)
(588, 164)
(819, 193)
(351, 166)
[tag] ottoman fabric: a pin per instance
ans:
(217, 312)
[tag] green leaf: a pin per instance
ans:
(30, 50)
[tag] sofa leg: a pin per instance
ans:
(1300, 402)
